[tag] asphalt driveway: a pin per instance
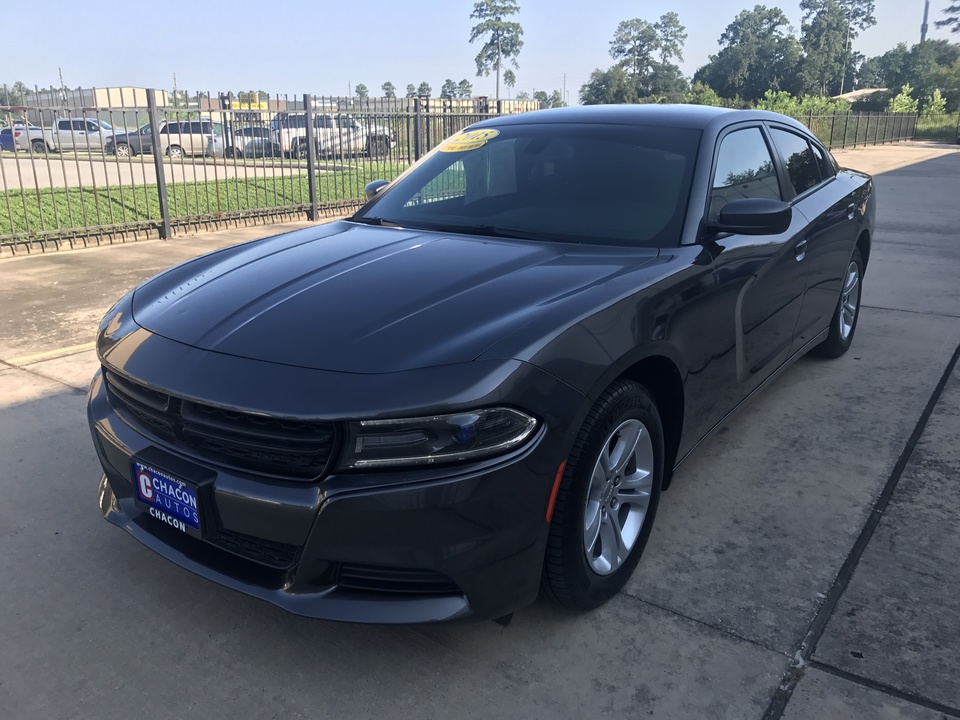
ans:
(803, 564)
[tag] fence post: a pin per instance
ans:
(313, 212)
(833, 124)
(158, 165)
(417, 121)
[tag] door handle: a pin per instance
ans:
(800, 250)
(851, 211)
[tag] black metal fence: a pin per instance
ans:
(850, 130)
(154, 165)
(104, 166)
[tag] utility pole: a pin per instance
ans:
(926, 16)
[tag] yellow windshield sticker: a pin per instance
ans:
(468, 140)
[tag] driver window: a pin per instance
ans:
(745, 169)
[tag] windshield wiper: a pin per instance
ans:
(373, 221)
(495, 231)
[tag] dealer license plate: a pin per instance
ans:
(168, 499)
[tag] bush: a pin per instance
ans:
(904, 102)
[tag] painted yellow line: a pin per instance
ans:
(50, 354)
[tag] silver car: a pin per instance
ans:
(247, 142)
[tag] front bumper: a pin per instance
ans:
(405, 546)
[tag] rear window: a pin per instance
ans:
(802, 165)
(582, 183)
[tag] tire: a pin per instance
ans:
(122, 150)
(175, 151)
(844, 322)
(378, 147)
(584, 565)
(298, 151)
(39, 147)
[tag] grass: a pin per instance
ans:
(939, 127)
(24, 213)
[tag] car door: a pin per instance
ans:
(94, 139)
(757, 277)
(830, 211)
(351, 135)
(64, 134)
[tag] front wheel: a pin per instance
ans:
(607, 499)
(845, 317)
(122, 150)
(175, 152)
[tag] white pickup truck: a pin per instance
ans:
(72, 134)
(337, 135)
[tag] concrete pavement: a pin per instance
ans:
(803, 564)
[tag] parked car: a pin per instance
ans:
(479, 384)
(177, 138)
(249, 142)
(9, 139)
(133, 142)
(21, 136)
(77, 134)
(336, 135)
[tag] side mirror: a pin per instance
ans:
(374, 187)
(753, 216)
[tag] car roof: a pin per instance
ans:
(697, 117)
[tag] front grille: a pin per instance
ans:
(395, 580)
(266, 552)
(275, 447)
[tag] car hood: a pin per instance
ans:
(362, 299)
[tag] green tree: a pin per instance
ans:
(637, 44)
(502, 39)
(935, 105)
(952, 20)
(465, 88)
(449, 89)
(14, 94)
(671, 36)
(758, 53)
(510, 80)
(828, 29)
(424, 89)
(389, 91)
(361, 91)
(701, 94)
(523, 95)
(822, 35)
(634, 45)
(411, 91)
(779, 101)
(553, 100)
(904, 102)
(611, 86)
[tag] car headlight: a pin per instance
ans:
(438, 439)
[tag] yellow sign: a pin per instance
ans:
(468, 140)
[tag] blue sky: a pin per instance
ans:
(325, 47)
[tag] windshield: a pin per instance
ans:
(600, 184)
(105, 125)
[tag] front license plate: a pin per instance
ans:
(168, 499)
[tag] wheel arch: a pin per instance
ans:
(863, 245)
(662, 379)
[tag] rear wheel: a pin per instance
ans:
(845, 317)
(38, 146)
(378, 147)
(607, 499)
